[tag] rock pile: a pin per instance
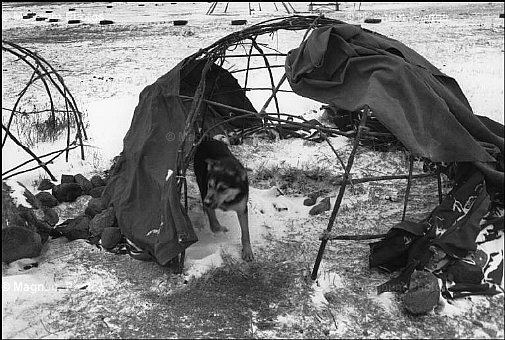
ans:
(26, 229)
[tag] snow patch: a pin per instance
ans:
(325, 282)
(196, 268)
(17, 193)
(454, 308)
(387, 301)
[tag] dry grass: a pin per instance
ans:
(294, 180)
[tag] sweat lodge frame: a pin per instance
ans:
(217, 52)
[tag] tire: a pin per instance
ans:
(239, 22)
(372, 21)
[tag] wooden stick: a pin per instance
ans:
(247, 113)
(439, 184)
(329, 236)
(409, 183)
(341, 191)
(15, 140)
(42, 156)
(256, 55)
(274, 89)
(255, 68)
(38, 166)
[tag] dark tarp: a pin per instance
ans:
(146, 201)
(349, 67)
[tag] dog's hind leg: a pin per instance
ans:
(215, 226)
(243, 219)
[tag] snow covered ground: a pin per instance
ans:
(107, 67)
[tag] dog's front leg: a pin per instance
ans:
(243, 219)
(215, 226)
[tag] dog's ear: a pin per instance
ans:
(243, 174)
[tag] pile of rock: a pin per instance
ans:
(25, 230)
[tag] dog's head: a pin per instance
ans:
(226, 182)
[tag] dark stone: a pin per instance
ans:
(40, 19)
(180, 22)
(85, 184)
(105, 219)
(324, 205)
(31, 222)
(46, 199)
(45, 184)
(76, 228)
(481, 258)
(54, 20)
(67, 192)
(97, 192)
(67, 179)
(19, 243)
(464, 272)
(309, 201)
(423, 293)
(111, 236)
(74, 21)
(106, 22)
(95, 206)
(311, 198)
(97, 181)
(50, 216)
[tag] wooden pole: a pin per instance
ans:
(341, 192)
(41, 164)
(439, 184)
(409, 183)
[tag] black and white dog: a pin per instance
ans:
(223, 184)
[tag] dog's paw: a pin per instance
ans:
(247, 254)
(218, 228)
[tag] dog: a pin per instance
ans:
(224, 185)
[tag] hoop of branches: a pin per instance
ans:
(46, 87)
(248, 40)
(365, 128)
